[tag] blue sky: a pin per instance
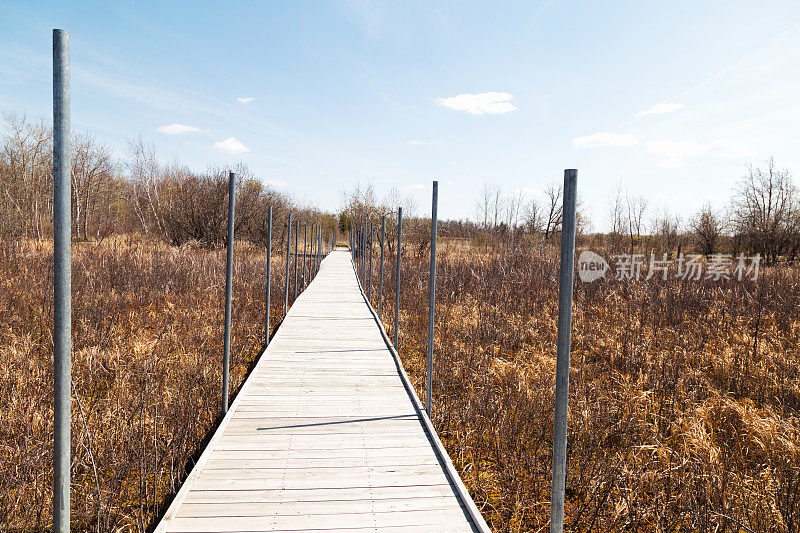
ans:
(669, 99)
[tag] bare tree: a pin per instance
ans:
(706, 227)
(666, 228)
(489, 206)
(765, 209)
(513, 205)
(144, 175)
(26, 177)
(635, 209)
(92, 183)
(533, 217)
(553, 209)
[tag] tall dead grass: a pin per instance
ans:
(146, 370)
(684, 395)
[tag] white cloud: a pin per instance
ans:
(479, 104)
(279, 184)
(675, 152)
(232, 145)
(604, 139)
(178, 129)
(245, 99)
(451, 182)
(660, 109)
(414, 186)
(420, 142)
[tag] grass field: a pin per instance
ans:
(684, 394)
(146, 370)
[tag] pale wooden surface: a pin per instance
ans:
(323, 436)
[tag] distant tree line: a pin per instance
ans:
(138, 194)
(762, 217)
(178, 205)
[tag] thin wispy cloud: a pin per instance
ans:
(421, 143)
(490, 103)
(676, 152)
(245, 99)
(661, 109)
(278, 184)
(451, 182)
(414, 186)
(179, 129)
(231, 145)
(604, 138)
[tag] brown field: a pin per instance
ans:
(684, 395)
(146, 370)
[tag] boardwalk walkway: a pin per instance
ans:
(326, 434)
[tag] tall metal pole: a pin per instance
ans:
(311, 257)
(397, 279)
(305, 253)
(62, 281)
(369, 277)
(226, 351)
(296, 237)
(431, 297)
(312, 266)
(565, 281)
(269, 272)
(364, 259)
(288, 255)
(380, 283)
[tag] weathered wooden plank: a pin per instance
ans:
(324, 435)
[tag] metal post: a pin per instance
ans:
(431, 297)
(226, 352)
(369, 277)
(62, 281)
(305, 253)
(380, 283)
(296, 237)
(397, 280)
(311, 257)
(288, 255)
(312, 265)
(364, 258)
(565, 282)
(269, 272)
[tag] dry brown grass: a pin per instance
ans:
(146, 370)
(684, 395)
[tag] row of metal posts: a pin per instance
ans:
(62, 315)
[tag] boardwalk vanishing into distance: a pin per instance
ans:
(326, 434)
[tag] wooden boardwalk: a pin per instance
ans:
(326, 434)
